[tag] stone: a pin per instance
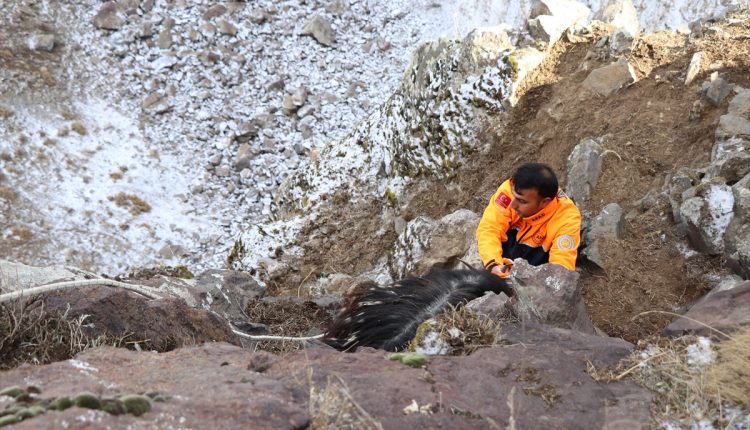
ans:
(608, 225)
(300, 96)
(320, 29)
(620, 42)
(550, 18)
(223, 171)
(162, 324)
(226, 27)
(694, 67)
(214, 11)
(427, 244)
(491, 305)
(287, 105)
(549, 294)
(305, 111)
(246, 131)
(42, 42)
(621, 15)
(731, 125)
(607, 80)
(584, 168)
(676, 184)
(726, 283)
(165, 39)
(716, 89)
(15, 276)
(244, 157)
(737, 248)
(708, 215)
(109, 16)
(724, 311)
(740, 103)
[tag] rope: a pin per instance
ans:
(57, 286)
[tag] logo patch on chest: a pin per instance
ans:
(539, 238)
(503, 200)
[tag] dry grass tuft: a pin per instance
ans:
(133, 203)
(689, 391)
(333, 407)
(286, 317)
(79, 128)
(476, 331)
(30, 334)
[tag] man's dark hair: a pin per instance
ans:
(536, 175)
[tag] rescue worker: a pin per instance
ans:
(529, 217)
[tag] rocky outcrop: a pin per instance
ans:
(714, 314)
(161, 325)
(525, 383)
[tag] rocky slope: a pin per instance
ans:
(648, 131)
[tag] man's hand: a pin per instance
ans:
(503, 270)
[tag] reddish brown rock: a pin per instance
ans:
(162, 324)
(723, 311)
(214, 386)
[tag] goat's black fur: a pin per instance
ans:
(388, 318)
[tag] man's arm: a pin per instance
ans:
(564, 248)
(493, 228)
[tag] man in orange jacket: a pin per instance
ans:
(529, 217)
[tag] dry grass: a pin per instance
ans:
(285, 317)
(30, 334)
(133, 203)
(477, 331)
(333, 407)
(687, 392)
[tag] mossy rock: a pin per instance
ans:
(13, 391)
(31, 412)
(113, 406)
(412, 359)
(87, 400)
(136, 404)
(9, 419)
(61, 403)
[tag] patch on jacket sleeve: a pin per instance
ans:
(565, 242)
(503, 200)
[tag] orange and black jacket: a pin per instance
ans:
(550, 236)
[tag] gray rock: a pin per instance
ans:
(550, 18)
(223, 171)
(244, 157)
(147, 29)
(620, 42)
(109, 16)
(608, 225)
(164, 62)
(609, 79)
(716, 89)
(288, 106)
(724, 311)
(621, 15)
(491, 305)
(584, 168)
(42, 42)
(694, 67)
(320, 29)
(14, 276)
(549, 294)
(226, 27)
(246, 131)
(731, 125)
(299, 97)
(740, 104)
(737, 238)
(726, 283)
(305, 111)
(427, 244)
(165, 39)
(214, 11)
(708, 215)
(676, 184)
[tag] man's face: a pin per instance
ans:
(528, 202)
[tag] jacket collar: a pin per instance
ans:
(545, 214)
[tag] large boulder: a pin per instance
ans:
(707, 210)
(620, 15)
(723, 311)
(162, 324)
(426, 244)
(549, 294)
(584, 168)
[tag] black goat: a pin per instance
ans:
(388, 318)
